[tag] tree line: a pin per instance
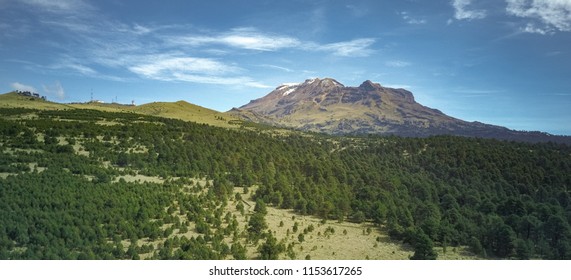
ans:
(502, 199)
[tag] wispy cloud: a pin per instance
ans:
(318, 20)
(23, 87)
(244, 38)
(16, 29)
(397, 63)
(358, 10)
(89, 43)
(462, 11)
(219, 80)
(165, 67)
(59, 6)
(55, 90)
(555, 15)
(410, 19)
(353, 48)
(81, 69)
(561, 94)
(70, 64)
(531, 28)
(192, 69)
(476, 92)
(140, 30)
(553, 53)
(252, 39)
(285, 69)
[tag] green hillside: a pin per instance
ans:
(89, 184)
(14, 100)
(181, 110)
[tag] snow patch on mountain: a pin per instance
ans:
(288, 87)
(311, 81)
(289, 91)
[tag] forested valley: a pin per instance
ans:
(86, 184)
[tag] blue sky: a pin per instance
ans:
(504, 62)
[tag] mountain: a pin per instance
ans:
(327, 106)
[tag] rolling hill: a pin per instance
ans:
(15, 100)
(181, 110)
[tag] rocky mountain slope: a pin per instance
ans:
(325, 105)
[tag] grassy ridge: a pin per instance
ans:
(13, 100)
(181, 110)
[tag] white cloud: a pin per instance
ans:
(462, 12)
(162, 66)
(23, 87)
(139, 29)
(92, 43)
(219, 80)
(353, 48)
(397, 63)
(531, 28)
(192, 69)
(74, 67)
(244, 38)
(554, 14)
(285, 69)
(410, 20)
(55, 90)
(59, 6)
(251, 39)
(82, 69)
